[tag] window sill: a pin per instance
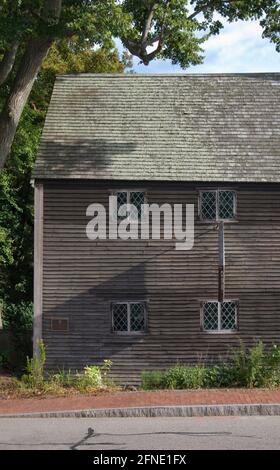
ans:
(128, 334)
(216, 222)
(220, 332)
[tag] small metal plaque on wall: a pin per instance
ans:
(59, 324)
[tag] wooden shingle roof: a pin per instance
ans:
(163, 127)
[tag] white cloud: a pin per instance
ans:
(239, 48)
(234, 34)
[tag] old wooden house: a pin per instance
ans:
(212, 141)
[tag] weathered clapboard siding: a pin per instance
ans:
(82, 277)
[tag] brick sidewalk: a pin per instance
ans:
(141, 398)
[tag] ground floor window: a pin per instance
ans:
(219, 316)
(217, 205)
(129, 317)
(136, 198)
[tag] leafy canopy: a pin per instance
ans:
(167, 29)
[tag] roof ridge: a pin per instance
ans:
(177, 74)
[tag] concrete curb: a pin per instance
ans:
(256, 409)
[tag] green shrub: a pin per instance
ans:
(35, 368)
(256, 367)
(18, 318)
(180, 377)
(92, 376)
(105, 371)
(4, 360)
(271, 367)
(152, 380)
(219, 376)
(62, 378)
(252, 367)
(248, 365)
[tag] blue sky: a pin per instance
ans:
(239, 48)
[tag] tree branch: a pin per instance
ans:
(209, 4)
(52, 9)
(147, 59)
(7, 62)
(139, 48)
(148, 23)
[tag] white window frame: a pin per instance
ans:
(217, 218)
(129, 331)
(219, 330)
(128, 192)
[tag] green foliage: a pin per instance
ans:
(63, 378)
(105, 370)
(219, 376)
(91, 378)
(16, 211)
(18, 318)
(247, 368)
(152, 380)
(184, 377)
(35, 368)
(4, 360)
(64, 382)
(181, 25)
(248, 365)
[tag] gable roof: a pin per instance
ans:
(163, 127)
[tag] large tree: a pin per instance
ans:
(168, 29)
(16, 193)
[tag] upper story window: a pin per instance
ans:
(129, 317)
(217, 205)
(135, 198)
(219, 316)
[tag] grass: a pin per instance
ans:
(12, 387)
(36, 383)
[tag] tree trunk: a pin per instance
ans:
(7, 62)
(35, 53)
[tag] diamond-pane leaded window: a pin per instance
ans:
(228, 316)
(135, 198)
(129, 317)
(137, 317)
(120, 317)
(217, 205)
(210, 316)
(226, 204)
(219, 316)
(208, 205)
(122, 198)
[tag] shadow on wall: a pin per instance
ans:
(90, 338)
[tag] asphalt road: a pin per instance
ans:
(256, 432)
